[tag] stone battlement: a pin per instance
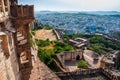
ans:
(108, 74)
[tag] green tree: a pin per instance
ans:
(61, 47)
(43, 43)
(82, 64)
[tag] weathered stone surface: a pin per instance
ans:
(41, 72)
(16, 60)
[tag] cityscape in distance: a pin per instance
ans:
(107, 22)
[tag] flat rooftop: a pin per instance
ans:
(109, 58)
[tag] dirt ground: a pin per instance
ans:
(45, 34)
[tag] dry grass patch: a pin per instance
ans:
(45, 34)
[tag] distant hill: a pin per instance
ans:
(83, 12)
(103, 12)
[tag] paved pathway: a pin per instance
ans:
(41, 72)
(88, 56)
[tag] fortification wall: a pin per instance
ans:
(9, 69)
(69, 55)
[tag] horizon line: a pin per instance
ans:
(79, 10)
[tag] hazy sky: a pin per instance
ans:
(74, 5)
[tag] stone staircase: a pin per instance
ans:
(21, 39)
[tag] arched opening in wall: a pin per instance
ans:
(23, 56)
(21, 36)
(6, 3)
(77, 57)
(22, 30)
(1, 50)
(24, 60)
(2, 25)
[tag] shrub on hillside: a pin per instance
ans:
(31, 42)
(61, 47)
(43, 43)
(82, 64)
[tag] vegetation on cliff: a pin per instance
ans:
(46, 50)
(49, 47)
(61, 47)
